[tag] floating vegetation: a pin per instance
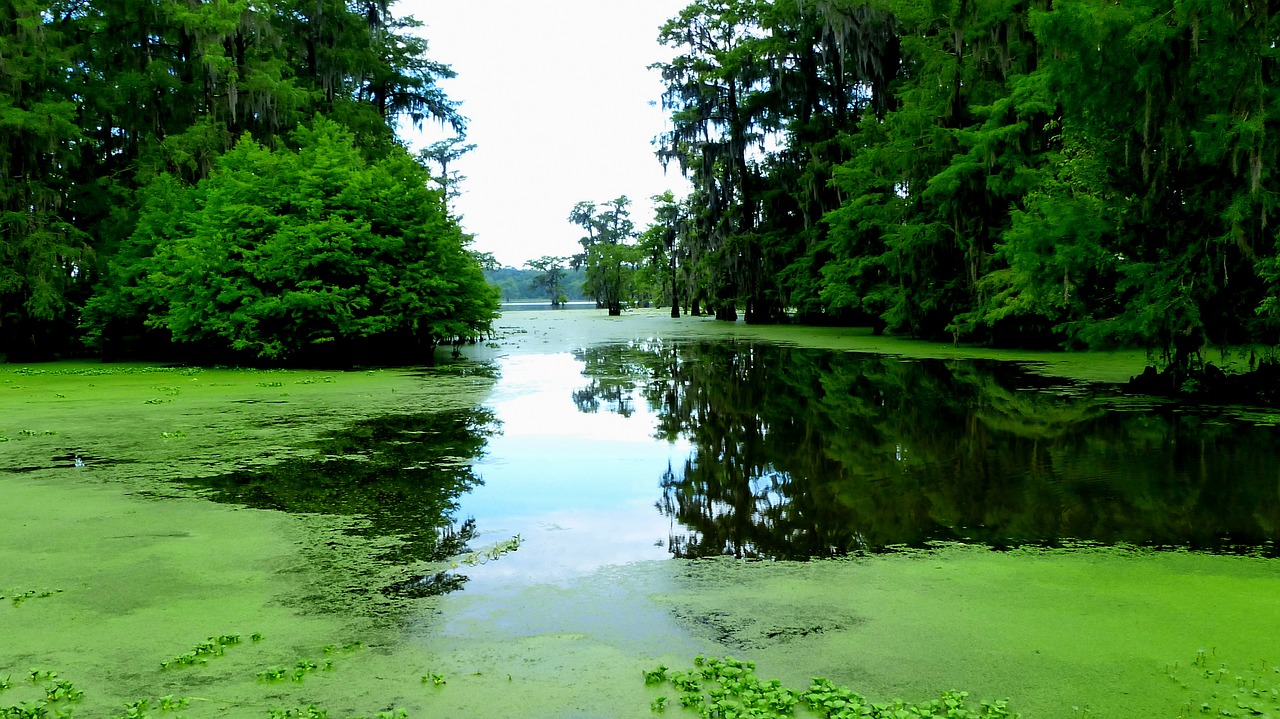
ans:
(729, 689)
(1216, 690)
(171, 703)
(310, 711)
(57, 698)
(135, 710)
(303, 667)
(102, 371)
(211, 647)
(19, 597)
(495, 552)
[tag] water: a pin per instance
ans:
(759, 450)
(626, 452)
(546, 304)
(612, 463)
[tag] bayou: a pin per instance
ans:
(901, 519)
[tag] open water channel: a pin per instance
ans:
(902, 526)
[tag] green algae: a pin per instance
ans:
(1057, 631)
(102, 501)
(729, 687)
(170, 423)
(150, 570)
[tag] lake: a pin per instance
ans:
(525, 530)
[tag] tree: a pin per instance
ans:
(608, 269)
(659, 245)
(1076, 172)
(445, 153)
(44, 257)
(97, 99)
(313, 255)
(609, 222)
(550, 277)
(611, 271)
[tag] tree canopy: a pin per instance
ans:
(101, 102)
(609, 254)
(1081, 172)
(310, 254)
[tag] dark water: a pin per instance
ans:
(799, 453)
(401, 476)
(623, 452)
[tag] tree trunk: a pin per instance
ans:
(675, 295)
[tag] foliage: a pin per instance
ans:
(518, 284)
(1076, 172)
(728, 688)
(550, 274)
(307, 255)
(97, 99)
(609, 254)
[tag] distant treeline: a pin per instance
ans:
(522, 284)
(1088, 173)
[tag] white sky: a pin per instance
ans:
(558, 99)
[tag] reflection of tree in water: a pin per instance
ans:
(613, 380)
(398, 478)
(804, 453)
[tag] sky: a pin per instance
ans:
(558, 99)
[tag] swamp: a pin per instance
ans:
(542, 525)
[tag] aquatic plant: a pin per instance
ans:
(135, 710)
(21, 597)
(211, 647)
(657, 675)
(62, 691)
(311, 711)
(1216, 690)
(274, 674)
(493, 553)
(434, 678)
(303, 667)
(729, 689)
(171, 703)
